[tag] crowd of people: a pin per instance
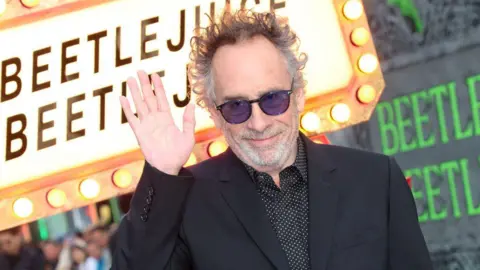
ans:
(88, 250)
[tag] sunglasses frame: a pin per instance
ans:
(250, 102)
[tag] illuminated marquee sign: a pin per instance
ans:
(61, 77)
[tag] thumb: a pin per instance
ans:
(189, 119)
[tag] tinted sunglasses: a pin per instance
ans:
(271, 103)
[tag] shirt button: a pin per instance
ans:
(144, 217)
(146, 208)
(151, 191)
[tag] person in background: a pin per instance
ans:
(100, 235)
(79, 255)
(51, 251)
(94, 260)
(17, 255)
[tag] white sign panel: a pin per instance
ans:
(61, 77)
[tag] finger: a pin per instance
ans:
(133, 121)
(140, 105)
(160, 93)
(189, 119)
(147, 91)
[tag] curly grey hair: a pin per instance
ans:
(232, 28)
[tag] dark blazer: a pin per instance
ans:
(362, 217)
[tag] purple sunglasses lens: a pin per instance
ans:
(236, 112)
(275, 103)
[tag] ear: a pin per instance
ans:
(299, 95)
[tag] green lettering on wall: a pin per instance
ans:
(433, 192)
(474, 101)
(388, 130)
(450, 168)
(403, 123)
(457, 122)
(421, 119)
(416, 174)
(437, 93)
(409, 10)
(471, 208)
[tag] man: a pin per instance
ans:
(15, 255)
(274, 199)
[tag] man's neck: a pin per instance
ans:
(275, 172)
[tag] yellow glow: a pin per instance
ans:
(192, 159)
(23, 207)
(30, 3)
(368, 63)
(122, 178)
(366, 94)
(360, 36)
(216, 148)
(3, 6)
(318, 141)
(56, 198)
(89, 188)
(340, 113)
(353, 9)
(310, 122)
(316, 22)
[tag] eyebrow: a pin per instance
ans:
(263, 92)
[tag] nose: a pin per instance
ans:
(258, 120)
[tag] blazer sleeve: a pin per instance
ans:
(149, 235)
(407, 247)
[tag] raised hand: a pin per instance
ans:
(163, 144)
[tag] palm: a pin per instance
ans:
(163, 144)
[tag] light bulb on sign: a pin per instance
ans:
(30, 3)
(215, 148)
(192, 159)
(56, 198)
(366, 94)
(367, 63)
(23, 207)
(310, 122)
(360, 36)
(353, 9)
(89, 188)
(340, 113)
(122, 178)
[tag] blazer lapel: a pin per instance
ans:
(322, 204)
(240, 193)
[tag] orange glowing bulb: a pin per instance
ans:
(56, 198)
(216, 148)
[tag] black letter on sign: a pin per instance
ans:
(179, 46)
(118, 53)
(274, 5)
(96, 38)
(242, 5)
(182, 103)
(74, 116)
(146, 38)
(41, 144)
(102, 92)
(4, 96)
(17, 135)
(38, 69)
(68, 60)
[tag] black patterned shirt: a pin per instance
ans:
(287, 207)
